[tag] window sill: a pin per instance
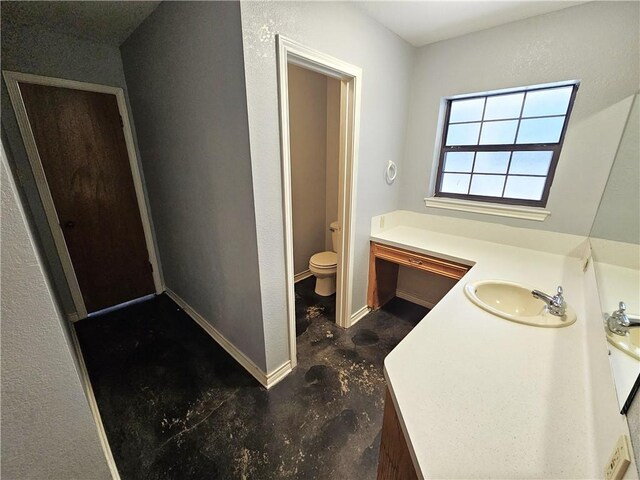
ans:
(512, 211)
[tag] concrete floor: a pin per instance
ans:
(176, 405)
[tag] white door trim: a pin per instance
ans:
(350, 76)
(12, 80)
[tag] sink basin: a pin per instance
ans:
(629, 343)
(515, 302)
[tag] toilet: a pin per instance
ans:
(324, 265)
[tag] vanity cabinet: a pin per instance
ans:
(384, 261)
(394, 460)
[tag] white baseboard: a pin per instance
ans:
(93, 406)
(278, 374)
(302, 275)
(266, 380)
(73, 317)
(413, 299)
(359, 315)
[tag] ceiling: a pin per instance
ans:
(418, 22)
(424, 22)
(102, 22)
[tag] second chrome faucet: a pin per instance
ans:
(619, 322)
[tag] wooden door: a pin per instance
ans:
(82, 148)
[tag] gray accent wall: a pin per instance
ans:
(618, 217)
(47, 428)
(185, 75)
(596, 43)
(341, 30)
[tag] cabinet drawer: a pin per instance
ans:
(419, 261)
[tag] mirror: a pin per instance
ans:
(615, 243)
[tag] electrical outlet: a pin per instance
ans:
(619, 460)
(382, 221)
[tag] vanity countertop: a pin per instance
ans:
(483, 397)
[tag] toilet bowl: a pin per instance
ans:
(324, 266)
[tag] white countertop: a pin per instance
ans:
(482, 397)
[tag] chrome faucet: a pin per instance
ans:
(555, 305)
(619, 323)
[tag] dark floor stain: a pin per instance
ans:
(365, 337)
(336, 431)
(318, 374)
(175, 405)
(350, 354)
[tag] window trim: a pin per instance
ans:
(537, 214)
(555, 147)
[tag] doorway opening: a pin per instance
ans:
(347, 80)
(314, 131)
(80, 147)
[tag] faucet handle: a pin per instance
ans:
(621, 314)
(618, 322)
(558, 298)
(558, 301)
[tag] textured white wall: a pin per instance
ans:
(186, 84)
(47, 427)
(340, 30)
(308, 118)
(596, 43)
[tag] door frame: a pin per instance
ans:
(12, 80)
(350, 76)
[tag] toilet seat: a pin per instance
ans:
(324, 260)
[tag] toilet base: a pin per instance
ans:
(325, 287)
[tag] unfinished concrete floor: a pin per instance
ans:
(175, 405)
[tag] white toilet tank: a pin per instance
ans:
(335, 235)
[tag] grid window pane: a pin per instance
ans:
(502, 146)
(487, 185)
(492, 162)
(554, 101)
(530, 163)
(540, 130)
(463, 134)
(528, 188)
(466, 110)
(455, 183)
(458, 161)
(503, 106)
(498, 133)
